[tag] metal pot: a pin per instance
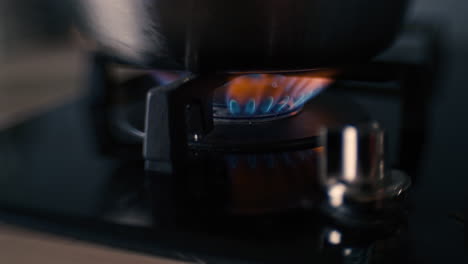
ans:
(241, 35)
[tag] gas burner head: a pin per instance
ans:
(262, 97)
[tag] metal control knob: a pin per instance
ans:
(353, 172)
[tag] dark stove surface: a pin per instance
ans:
(55, 179)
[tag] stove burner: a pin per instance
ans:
(261, 97)
(256, 97)
(284, 134)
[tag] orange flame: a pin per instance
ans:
(263, 92)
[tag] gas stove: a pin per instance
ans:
(246, 186)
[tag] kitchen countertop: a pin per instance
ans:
(21, 246)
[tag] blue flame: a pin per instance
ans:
(306, 97)
(250, 107)
(234, 107)
(267, 105)
(301, 100)
(282, 105)
(267, 99)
